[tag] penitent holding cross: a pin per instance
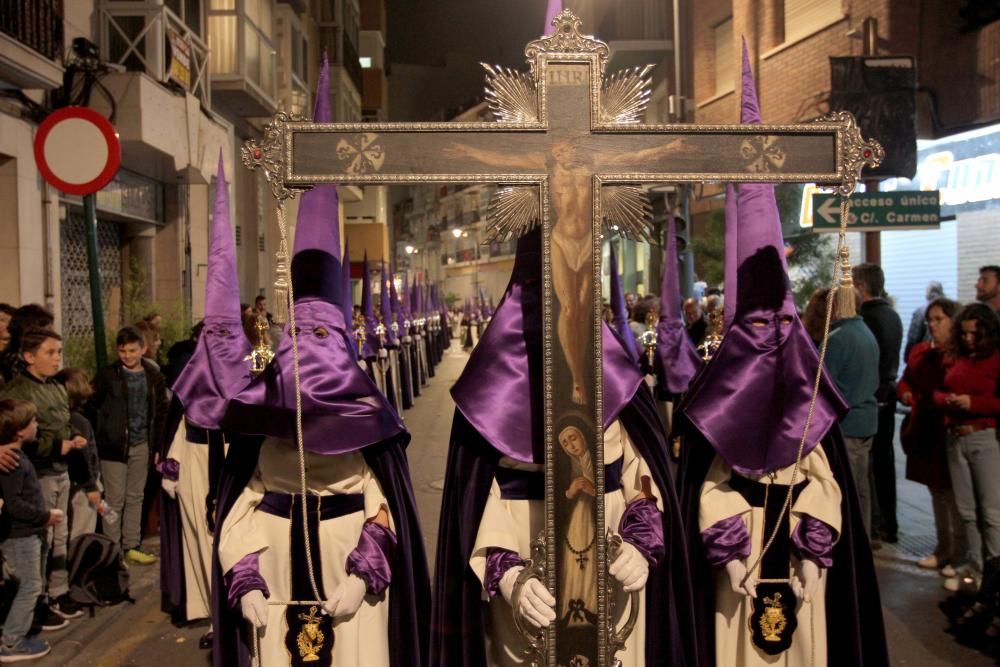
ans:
(570, 154)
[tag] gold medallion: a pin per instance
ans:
(773, 621)
(310, 639)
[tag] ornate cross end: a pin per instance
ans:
(270, 154)
(855, 152)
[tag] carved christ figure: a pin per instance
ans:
(571, 169)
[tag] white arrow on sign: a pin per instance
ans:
(831, 207)
(828, 208)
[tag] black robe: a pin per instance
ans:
(409, 590)
(458, 615)
(405, 378)
(855, 631)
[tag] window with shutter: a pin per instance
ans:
(725, 65)
(804, 17)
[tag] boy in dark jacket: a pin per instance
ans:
(127, 409)
(41, 351)
(84, 464)
(26, 519)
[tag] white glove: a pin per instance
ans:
(535, 602)
(347, 597)
(737, 571)
(807, 580)
(254, 608)
(631, 568)
(170, 486)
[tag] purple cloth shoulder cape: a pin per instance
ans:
(857, 637)
(505, 368)
(458, 615)
(337, 396)
(409, 590)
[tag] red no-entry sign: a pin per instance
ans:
(77, 150)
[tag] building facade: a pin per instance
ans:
(182, 81)
(957, 106)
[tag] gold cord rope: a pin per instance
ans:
(845, 206)
(786, 506)
(293, 332)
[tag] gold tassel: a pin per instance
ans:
(281, 288)
(846, 306)
(281, 285)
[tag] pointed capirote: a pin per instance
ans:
(620, 309)
(316, 256)
(764, 370)
(371, 343)
(678, 357)
(217, 369)
(385, 307)
(553, 9)
(729, 277)
(222, 289)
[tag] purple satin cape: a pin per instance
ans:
(505, 368)
(343, 411)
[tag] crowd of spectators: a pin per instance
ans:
(949, 390)
(75, 454)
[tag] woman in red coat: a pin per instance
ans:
(923, 434)
(969, 399)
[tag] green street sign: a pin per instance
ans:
(879, 211)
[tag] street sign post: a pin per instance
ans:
(77, 151)
(879, 211)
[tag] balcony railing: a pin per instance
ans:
(154, 40)
(38, 24)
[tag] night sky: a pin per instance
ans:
(421, 31)
(425, 32)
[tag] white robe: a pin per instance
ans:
(359, 640)
(514, 524)
(196, 540)
(820, 499)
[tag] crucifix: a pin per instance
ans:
(570, 153)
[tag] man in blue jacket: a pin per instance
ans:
(852, 359)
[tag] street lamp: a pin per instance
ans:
(409, 249)
(457, 233)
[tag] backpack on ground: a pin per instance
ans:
(97, 572)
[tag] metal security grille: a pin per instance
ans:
(76, 319)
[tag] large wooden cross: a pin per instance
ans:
(569, 150)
